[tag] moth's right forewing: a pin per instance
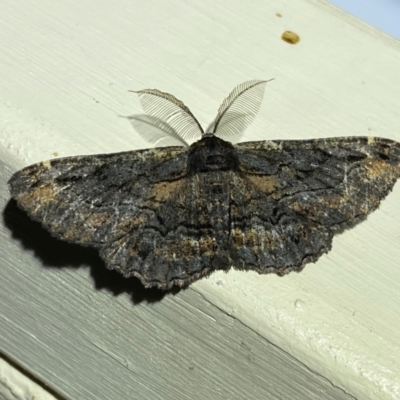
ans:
(90, 199)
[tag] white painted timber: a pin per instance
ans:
(330, 332)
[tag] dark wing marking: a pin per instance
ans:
(291, 197)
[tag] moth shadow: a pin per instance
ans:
(55, 253)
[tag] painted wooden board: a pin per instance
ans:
(14, 384)
(329, 332)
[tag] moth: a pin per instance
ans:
(172, 215)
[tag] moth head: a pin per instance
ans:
(211, 153)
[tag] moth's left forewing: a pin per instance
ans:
(358, 173)
(332, 180)
(300, 193)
